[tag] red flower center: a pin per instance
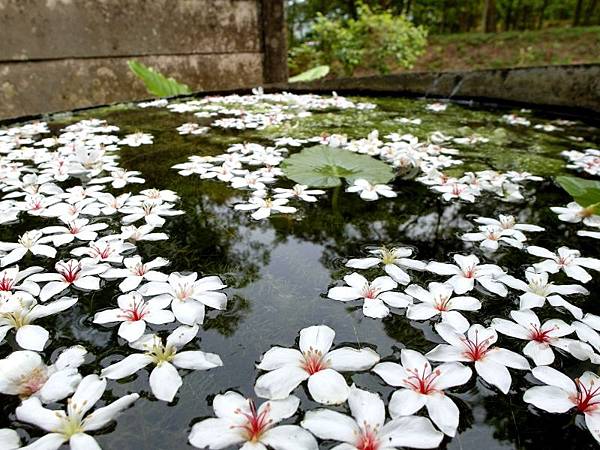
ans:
(6, 284)
(536, 334)
(313, 361)
(420, 382)
(476, 350)
(588, 398)
(368, 439)
(256, 424)
(70, 271)
(137, 311)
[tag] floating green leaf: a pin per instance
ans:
(584, 192)
(311, 74)
(323, 166)
(156, 83)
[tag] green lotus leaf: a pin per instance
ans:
(323, 166)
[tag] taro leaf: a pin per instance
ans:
(156, 83)
(311, 74)
(323, 166)
(584, 192)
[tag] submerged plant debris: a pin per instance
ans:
(298, 271)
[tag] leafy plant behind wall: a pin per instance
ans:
(156, 83)
(323, 166)
(585, 192)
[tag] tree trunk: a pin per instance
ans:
(589, 12)
(542, 12)
(408, 7)
(577, 16)
(489, 16)
(508, 18)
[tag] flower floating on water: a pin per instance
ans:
(371, 192)
(575, 213)
(69, 273)
(137, 139)
(74, 424)
(287, 367)
(394, 260)
(367, 430)
(563, 394)
(23, 373)
(31, 241)
(565, 259)
(489, 236)
(265, 206)
(538, 289)
(18, 311)
(508, 224)
(541, 337)
(239, 421)
(376, 294)
(135, 272)
(188, 295)
(299, 191)
(420, 386)
(134, 312)
(438, 300)
(466, 271)
(477, 346)
(165, 381)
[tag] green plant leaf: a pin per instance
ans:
(584, 192)
(311, 74)
(323, 166)
(156, 83)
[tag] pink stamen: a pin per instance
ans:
(313, 361)
(587, 400)
(425, 384)
(476, 351)
(256, 424)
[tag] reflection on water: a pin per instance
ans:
(279, 269)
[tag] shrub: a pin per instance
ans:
(376, 40)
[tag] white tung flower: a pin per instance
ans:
(538, 289)
(367, 430)
(371, 192)
(376, 294)
(24, 373)
(288, 367)
(239, 421)
(18, 311)
(565, 259)
(134, 312)
(466, 271)
(394, 260)
(165, 380)
(73, 424)
(420, 385)
(477, 346)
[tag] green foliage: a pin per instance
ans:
(156, 83)
(584, 192)
(374, 40)
(323, 166)
(311, 74)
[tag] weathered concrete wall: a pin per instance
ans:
(572, 87)
(63, 54)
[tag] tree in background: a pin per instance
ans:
(451, 16)
(363, 37)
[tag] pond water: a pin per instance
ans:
(278, 270)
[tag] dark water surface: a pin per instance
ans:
(279, 270)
